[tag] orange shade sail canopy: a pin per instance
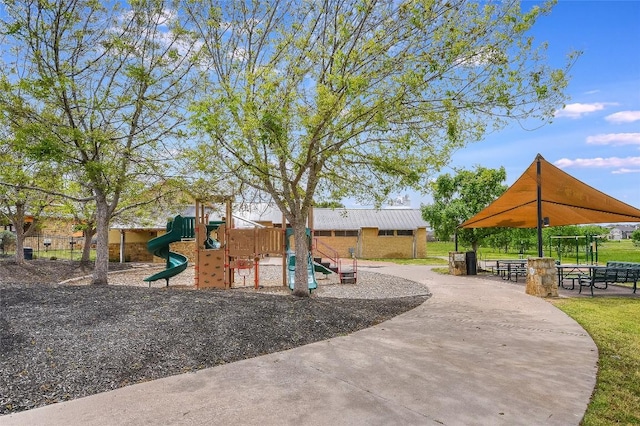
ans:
(564, 200)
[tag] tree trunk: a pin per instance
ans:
(301, 286)
(18, 223)
(101, 268)
(86, 250)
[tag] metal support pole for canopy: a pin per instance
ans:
(455, 239)
(539, 196)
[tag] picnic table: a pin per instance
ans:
(592, 275)
(509, 269)
(613, 272)
(574, 272)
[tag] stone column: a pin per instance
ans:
(457, 263)
(541, 277)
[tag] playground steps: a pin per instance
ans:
(346, 276)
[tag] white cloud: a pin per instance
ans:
(615, 139)
(481, 57)
(622, 165)
(163, 18)
(623, 117)
(577, 110)
(239, 54)
(625, 171)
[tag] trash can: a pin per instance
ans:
(472, 264)
(28, 253)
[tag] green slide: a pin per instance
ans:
(291, 270)
(321, 268)
(159, 246)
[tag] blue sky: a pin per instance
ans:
(596, 138)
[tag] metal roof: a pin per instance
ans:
(346, 219)
(323, 218)
(353, 219)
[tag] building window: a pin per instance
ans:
(345, 233)
(385, 232)
(404, 232)
(322, 233)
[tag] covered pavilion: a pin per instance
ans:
(546, 196)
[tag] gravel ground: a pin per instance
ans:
(64, 341)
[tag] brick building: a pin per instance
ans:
(372, 233)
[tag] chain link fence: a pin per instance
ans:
(52, 247)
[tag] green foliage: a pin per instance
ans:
(424, 261)
(623, 251)
(329, 205)
(298, 101)
(510, 239)
(7, 240)
(457, 198)
(100, 90)
(361, 98)
(635, 237)
(575, 242)
(521, 241)
(24, 183)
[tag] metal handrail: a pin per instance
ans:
(333, 254)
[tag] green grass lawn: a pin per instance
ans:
(425, 261)
(58, 254)
(622, 251)
(614, 325)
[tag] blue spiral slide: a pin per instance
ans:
(159, 246)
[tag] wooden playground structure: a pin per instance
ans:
(222, 250)
(239, 249)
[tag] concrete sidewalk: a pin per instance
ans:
(479, 352)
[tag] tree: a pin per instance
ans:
(329, 205)
(635, 237)
(457, 198)
(361, 98)
(18, 199)
(563, 245)
(99, 87)
(7, 240)
(521, 239)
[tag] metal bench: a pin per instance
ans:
(614, 272)
(626, 272)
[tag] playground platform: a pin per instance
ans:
(479, 351)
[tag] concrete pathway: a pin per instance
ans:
(479, 352)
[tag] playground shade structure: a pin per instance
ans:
(176, 262)
(564, 200)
